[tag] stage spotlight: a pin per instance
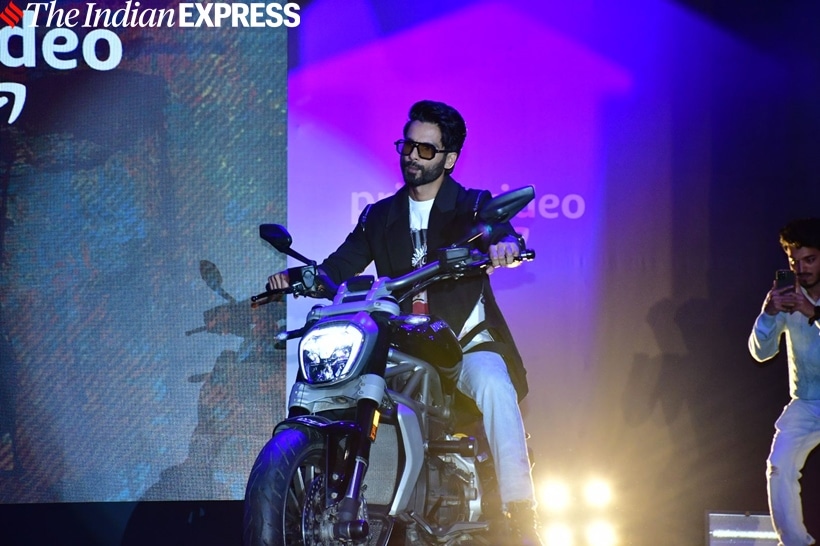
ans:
(601, 533)
(597, 493)
(555, 496)
(558, 534)
(574, 512)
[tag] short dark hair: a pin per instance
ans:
(449, 121)
(801, 233)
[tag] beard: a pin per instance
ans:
(416, 175)
(808, 281)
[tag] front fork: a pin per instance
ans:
(349, 525)
(346, 469)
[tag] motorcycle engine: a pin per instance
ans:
(453, 489)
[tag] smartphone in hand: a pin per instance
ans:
(784, 278)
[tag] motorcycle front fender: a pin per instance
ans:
(323, 425)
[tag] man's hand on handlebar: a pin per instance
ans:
(278, 281)
(503, 254)
(302, 281)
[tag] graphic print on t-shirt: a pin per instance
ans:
(419, 215)
(419, 237)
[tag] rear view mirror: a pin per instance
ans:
(505, 206)
(501, 208)
(277, 236)
(281, 240)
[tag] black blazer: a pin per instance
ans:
(382, 235)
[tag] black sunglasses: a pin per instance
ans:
(426, 151)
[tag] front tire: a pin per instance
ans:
(277, 487)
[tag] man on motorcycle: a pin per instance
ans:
(429, 212)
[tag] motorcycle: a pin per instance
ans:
(375, 449)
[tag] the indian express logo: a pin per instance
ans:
(184, 15)
(61, 48)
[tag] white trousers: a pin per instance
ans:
(797, 433)
(484, 379)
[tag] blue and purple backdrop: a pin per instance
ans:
(666, 151)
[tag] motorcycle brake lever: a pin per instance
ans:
(269, 296)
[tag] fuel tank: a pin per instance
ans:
(430, 339)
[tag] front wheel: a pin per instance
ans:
(279, 488)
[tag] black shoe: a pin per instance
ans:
(523, 521)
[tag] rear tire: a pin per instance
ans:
(277, 486)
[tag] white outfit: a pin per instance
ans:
(797, 430)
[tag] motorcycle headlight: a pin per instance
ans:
(327, 353)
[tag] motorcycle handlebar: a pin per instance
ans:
(456, 260)
(304, 281)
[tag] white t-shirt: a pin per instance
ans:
(419, 218)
